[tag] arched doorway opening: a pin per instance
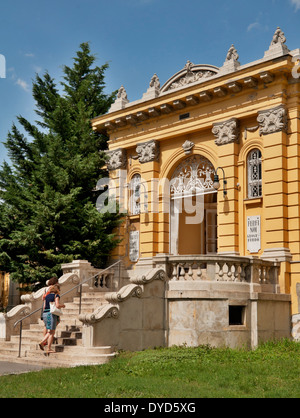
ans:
(193, 217)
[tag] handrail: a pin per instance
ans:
(63, 294)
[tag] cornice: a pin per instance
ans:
(201, 122)
(179, 101)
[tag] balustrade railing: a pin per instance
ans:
(100, 279)
(223, 269)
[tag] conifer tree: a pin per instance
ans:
(48, 212)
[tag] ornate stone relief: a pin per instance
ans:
(227, 131)
(272, 120)
(232, 54)
(148, 151)
(278, 37)
(277, 47)
(191, 73)
(231, 62)
(134, 245)
(188, 146)
(117, 159)
(190, 76)
(195, 173)
(154, 88)
(121, 100)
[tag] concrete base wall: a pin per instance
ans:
(140, 325)
(199, 314)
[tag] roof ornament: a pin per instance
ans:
(277, 47)
(231, 63)
(121, 100)
(232, 54)
(278, 37)
(154, 88)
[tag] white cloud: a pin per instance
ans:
(22, 84)
(29, 55)
(296, 3)
(252, 26)
(37, 68)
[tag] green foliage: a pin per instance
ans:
(270, 371)
(48, 210)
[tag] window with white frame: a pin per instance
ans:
(254, 174)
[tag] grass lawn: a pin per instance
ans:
(271, 371)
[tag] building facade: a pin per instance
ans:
(207, 168)
(4, 290)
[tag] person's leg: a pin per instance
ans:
(50, 341)
(44, 340)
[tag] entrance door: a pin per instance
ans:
(193, 220)
(195, 238)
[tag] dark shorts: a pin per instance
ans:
(50, 321)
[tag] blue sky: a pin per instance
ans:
(137, 37)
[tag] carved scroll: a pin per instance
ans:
(226, 132)
(272, 120)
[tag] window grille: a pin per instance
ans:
(254, 174)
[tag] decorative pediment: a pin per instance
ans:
(191, 73)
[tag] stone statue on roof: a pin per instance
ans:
(232, 54)
(278, 37)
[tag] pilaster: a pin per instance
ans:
(228, 222)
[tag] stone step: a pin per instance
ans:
(78, 356)
(67, 342)
(83, 350)
(58, 359)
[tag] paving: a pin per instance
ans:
(7, 367)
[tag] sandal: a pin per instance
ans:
(41, 345)
(50, 351)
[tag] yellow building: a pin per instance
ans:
(4, 289)
(208, 168)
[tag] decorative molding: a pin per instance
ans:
(148, 151)
(226, 132)
(195, 173)
(191, 73)
(153, 274)
(188, 146)
(272, 120)
(250, 129)
(105, 311)
(117, 159)
(130, 290)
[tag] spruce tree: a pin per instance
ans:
(48, 212)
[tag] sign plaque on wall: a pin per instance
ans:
(253, 234)
(134, 244)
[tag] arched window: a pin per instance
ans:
(254, 174)
(135, 195)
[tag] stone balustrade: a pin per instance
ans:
(105, 281)
(220, 268)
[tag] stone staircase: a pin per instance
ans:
(68, 346)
